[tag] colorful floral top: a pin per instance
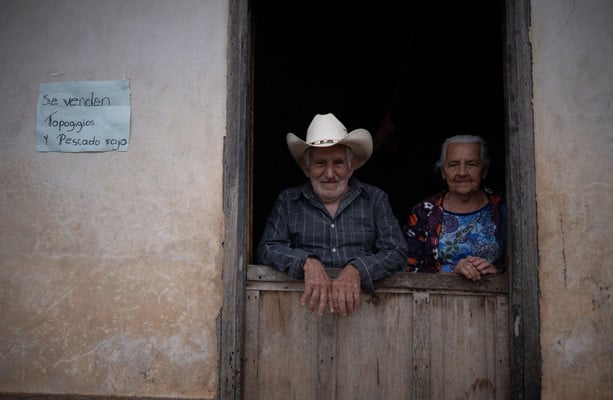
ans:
(425, 224)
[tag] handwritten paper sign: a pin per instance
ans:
(83, 116)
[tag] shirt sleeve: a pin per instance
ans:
(416, 235)
(390, 252)
(275, 248)
(500, 219)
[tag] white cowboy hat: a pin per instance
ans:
(325, 131)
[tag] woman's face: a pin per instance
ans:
(463, 169)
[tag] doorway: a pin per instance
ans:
(410, 77)
(524, 347)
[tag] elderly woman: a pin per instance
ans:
(461, 229)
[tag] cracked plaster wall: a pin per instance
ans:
(110, 263)
(573, 96)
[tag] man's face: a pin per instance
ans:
(329, 172)
(463, 169)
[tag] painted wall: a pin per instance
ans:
(573, 111)
(109, 262)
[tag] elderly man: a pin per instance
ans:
(333, 221)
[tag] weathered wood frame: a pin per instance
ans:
(524, 323)
(419, 336)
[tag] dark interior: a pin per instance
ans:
(434, 69)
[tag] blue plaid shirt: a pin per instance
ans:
(364, 232)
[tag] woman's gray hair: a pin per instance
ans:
(485, 157)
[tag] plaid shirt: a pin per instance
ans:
(364, 232)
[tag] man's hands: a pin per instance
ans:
(473, 267)
(346, 291)
(341, 295)
(317, 286)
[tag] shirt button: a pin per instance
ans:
(333, 249)
(332, 225)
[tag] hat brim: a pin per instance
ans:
(359, 141)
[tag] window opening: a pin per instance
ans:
(431, 71)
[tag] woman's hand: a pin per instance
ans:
(473, 267)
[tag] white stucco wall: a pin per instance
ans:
(110, 262)
(573, 109)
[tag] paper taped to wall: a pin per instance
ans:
(83, 116)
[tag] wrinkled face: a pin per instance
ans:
(463, 169)
(329, 172)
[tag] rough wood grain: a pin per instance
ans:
(406, 343)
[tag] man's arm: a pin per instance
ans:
(317, 287)
(345, 291)
(390, 253)
(275, 248)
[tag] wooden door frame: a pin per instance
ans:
(524, 319)
(524, 322)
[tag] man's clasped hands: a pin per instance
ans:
(340, 295)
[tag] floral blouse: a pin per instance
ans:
(425, 224)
